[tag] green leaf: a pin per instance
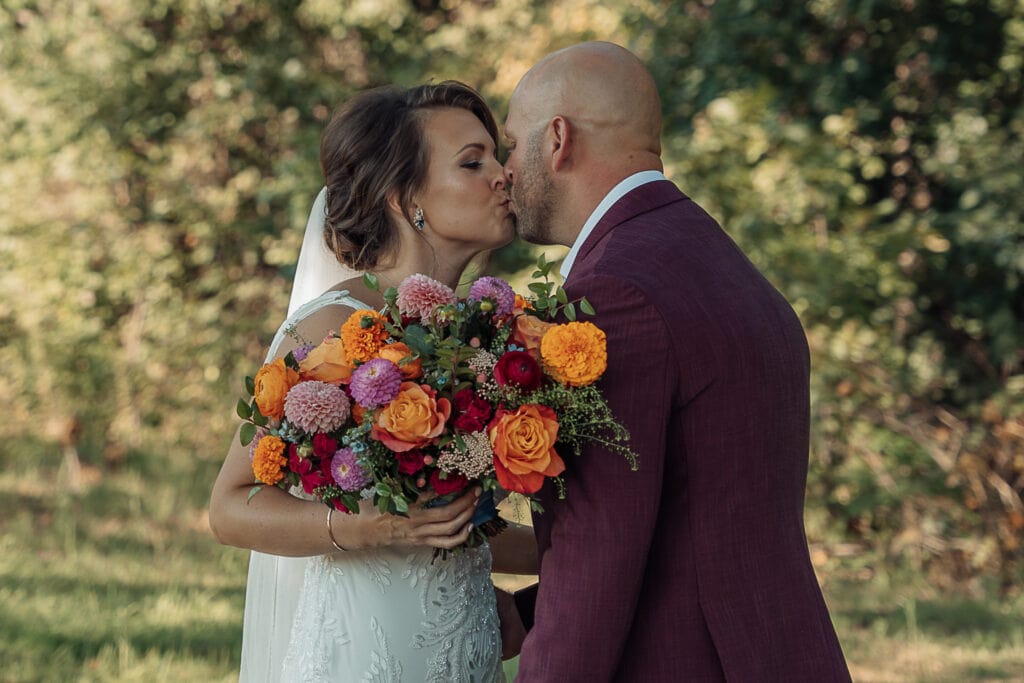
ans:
(247, 434)
(383, 488)
(538, 288)
(416, 338)
(370, 280)
(570, 312)
(383, 502)
(561, 296)
(252, 492)
(586, 307)
(243, 409)
(257, 416)
(250, 385)
(401, 504)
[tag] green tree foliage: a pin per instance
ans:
(157, 161)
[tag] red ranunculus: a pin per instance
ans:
(451, 483)
(410, 462)
(473, 411)
(315, 478)
(518, 367)
(324, 446)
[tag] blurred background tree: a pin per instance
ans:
(158, 159)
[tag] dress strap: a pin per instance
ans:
(329, 298)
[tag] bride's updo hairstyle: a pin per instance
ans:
(375, 147)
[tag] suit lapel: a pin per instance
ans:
(647, 197)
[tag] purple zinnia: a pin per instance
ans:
(348, 474)
(497, 290)
(375, 383)
(300, 353)
(316, 407)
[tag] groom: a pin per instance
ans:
(695, 567)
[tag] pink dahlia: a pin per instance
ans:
(497, 290)
(348, 474)
(375, 383)
(315, 406)
(419, 295)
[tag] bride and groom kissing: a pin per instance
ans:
(695, 566)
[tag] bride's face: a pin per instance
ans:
(463, 199)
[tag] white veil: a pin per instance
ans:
(272, 589)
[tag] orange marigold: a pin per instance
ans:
(575, 353)
(363, 334)
(268, 459)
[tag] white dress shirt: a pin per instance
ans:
(618, 192)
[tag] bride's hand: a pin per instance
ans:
(445, 527)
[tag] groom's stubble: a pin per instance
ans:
(534, 195)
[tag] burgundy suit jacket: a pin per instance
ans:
(695, 567)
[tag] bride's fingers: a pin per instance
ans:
(449, 542)
(446, 528)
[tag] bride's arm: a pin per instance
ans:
(275, 522)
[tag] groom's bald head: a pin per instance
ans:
(581, 120)
(600, 86)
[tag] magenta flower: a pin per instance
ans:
(375, 383)
(348, 474)
(419, 295)
(497, 290)
(316, 407)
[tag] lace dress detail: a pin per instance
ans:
(392, 615)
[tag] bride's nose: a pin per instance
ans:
(498, 181)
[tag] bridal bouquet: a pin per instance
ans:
(433, 394)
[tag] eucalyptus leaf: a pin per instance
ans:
(586, 307)
(250, 385)
(370, 281)
(570, 312)
(252, 492)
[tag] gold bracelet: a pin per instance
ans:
(330, 531)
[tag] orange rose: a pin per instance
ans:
(398, 351)
(272, 384)
(413, 419)
(575, 353)
(527, 331)
(327, 363)
(524, 447)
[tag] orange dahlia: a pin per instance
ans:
(575, 353)
(268, 460)
(363, 334)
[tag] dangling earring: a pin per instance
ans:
(417, 220)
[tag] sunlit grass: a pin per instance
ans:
(123, 582)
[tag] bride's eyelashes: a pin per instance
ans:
(472, 165)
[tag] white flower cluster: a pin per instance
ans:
(474, 462)
(483, 362)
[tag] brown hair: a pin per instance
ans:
(374, 146)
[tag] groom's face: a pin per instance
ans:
(528, 181)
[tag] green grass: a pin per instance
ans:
(123, 582)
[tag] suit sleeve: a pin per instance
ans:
(600, 534)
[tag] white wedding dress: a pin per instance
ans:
(384, 615)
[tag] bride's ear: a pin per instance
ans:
(395, 207)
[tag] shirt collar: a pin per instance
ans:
(618, 192)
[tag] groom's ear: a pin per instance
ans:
(562, 139)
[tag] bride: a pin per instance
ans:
(413, 185)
